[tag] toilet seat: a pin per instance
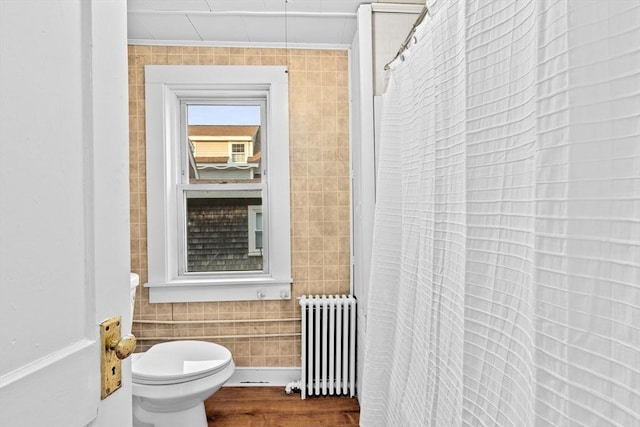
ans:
(178, 362)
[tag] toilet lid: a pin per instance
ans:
(179, 361)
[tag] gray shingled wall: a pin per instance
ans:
(217, 235)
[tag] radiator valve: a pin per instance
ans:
(293, 386)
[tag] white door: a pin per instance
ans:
(64, 208)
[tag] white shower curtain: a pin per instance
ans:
(505, 285)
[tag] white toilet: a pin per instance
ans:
(172, 380)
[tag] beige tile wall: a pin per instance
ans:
(319, 155)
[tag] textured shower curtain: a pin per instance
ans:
(505, 285)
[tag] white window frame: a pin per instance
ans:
(252, 216)
(166, 86)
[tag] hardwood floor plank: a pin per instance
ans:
(272, 407)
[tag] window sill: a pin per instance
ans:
(200, 290)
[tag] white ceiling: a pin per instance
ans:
(243, 22)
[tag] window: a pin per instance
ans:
(237, 153)
(254, 214)
(217, 183)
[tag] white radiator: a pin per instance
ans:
(328, 345)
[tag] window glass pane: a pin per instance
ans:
(238, 154)
(259, 221)
(255, 231)
(218, 231)
(224, 143)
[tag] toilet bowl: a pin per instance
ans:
(172, 380)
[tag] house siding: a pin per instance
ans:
(217, 235)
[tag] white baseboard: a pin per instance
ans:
(263, 377)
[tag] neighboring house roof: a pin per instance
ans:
(255, 158)
(227, 130)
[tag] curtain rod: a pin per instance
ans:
(405, 45)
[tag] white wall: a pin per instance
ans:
(378, 37)
(389, 32)
(362, 163)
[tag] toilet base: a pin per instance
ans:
(192, 417)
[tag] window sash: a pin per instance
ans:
(238, 154)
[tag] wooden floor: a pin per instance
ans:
(271, 407)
